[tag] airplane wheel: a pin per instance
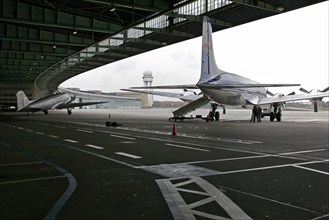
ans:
(46, 112)
(272, 116)
(278, 117)
(315, 107)
(217, 116)
(69, 111)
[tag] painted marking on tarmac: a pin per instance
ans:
(38, 132)
(29, 130)
(310, 169)
(94, 146)
(169, 133)
(320, 217)
(185, 147)
(127, 142)
(128, 155)
(20, 128)
(267, 199)
(53, 136)
(303, 152)
(85, 131)
(20, 164)
(182, 210)
(30, 180)
(57, 126)
(273, 167)
(123, 137)
(71, 141)
(98, 155)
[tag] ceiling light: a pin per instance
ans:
(113, 9)
(54, 46)
(75, 32)
(280, 9)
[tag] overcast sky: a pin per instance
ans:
(287, 48)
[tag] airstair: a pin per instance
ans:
(190, 107)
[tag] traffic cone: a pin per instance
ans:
(174, 131)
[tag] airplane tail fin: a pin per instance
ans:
(22, 100)
(209, 67)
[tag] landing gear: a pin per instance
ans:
(213, 114)
(276, 113)
(46, 112)
(69, 111)
(315, 107)
(217, 116)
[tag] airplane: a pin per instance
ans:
(56, 101)
(229, 88)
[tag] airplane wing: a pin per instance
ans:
(289, 98)
(214, 86)
(77, 104)
(28, 109)
(165, 94)
(227, 86)
(187, 86)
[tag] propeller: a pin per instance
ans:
(186, 90)
(271, 94)
(308, 92)
(73, 98)
(304, 90)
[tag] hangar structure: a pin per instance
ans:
(45, 42)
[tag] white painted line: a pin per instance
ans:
(94, 146)
(29, 130)
(302, 152)
(320, 217)
(53, 136)
(274, 167)
(128, 155)
(20, 128)
(123, 137)
(310, 169)
(86, 131)
(57, 126)
(127, 142)
(71, 141)
(38, 132)
(29, 180)
(191, 148)
(20, 164)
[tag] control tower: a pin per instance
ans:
(148, 78)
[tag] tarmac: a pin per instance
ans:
(61, 166)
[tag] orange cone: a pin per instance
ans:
(174, 131)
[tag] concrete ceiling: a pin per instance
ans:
(45, 42)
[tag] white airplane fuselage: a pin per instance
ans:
(51, 102)
(231, 96)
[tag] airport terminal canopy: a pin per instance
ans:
(45, 42)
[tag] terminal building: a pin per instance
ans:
(114, 100)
